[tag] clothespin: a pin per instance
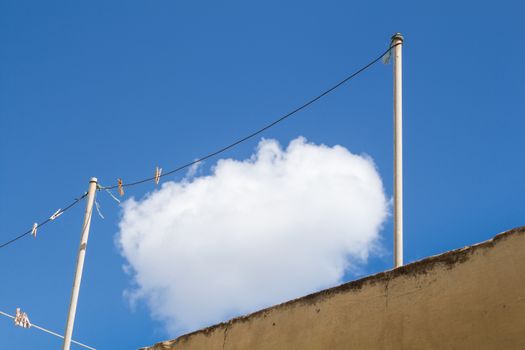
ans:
(158, 172)
(120, 187)
(33, 230)
(21, 319)
(56, 214)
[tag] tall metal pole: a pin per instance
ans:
(397, 40)
(80, 263)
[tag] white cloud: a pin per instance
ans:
(257, 232)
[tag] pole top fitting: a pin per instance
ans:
(398, 37)
(93, 179)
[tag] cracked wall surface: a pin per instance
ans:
(470, 298)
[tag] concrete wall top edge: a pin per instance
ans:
(448, 260)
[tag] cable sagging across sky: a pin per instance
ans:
(155, 178)
(51, 218)
(158, 171)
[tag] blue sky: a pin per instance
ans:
(113, 89)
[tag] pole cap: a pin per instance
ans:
(397, 36)
(93, 179)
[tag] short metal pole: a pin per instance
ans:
(397, 40)
(80, 263)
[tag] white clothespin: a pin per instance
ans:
(158, 173)
(21, 319)
(56, 214)
(120, 187)
(33, 230)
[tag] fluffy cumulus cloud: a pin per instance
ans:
(276, 226)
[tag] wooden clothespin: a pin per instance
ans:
(33, 230)
(56, 214)
(120, 187)
(158, 173)
(21, 319)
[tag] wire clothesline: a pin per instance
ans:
(36, 226)
(120, 185)
(22, 320)
(30, 325)
(158, 171)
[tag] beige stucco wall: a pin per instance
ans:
(472, 298)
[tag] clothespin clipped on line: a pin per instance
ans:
(33, 230)
(21, 319)
(56, 214)
(158, 173)
(120, 187)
